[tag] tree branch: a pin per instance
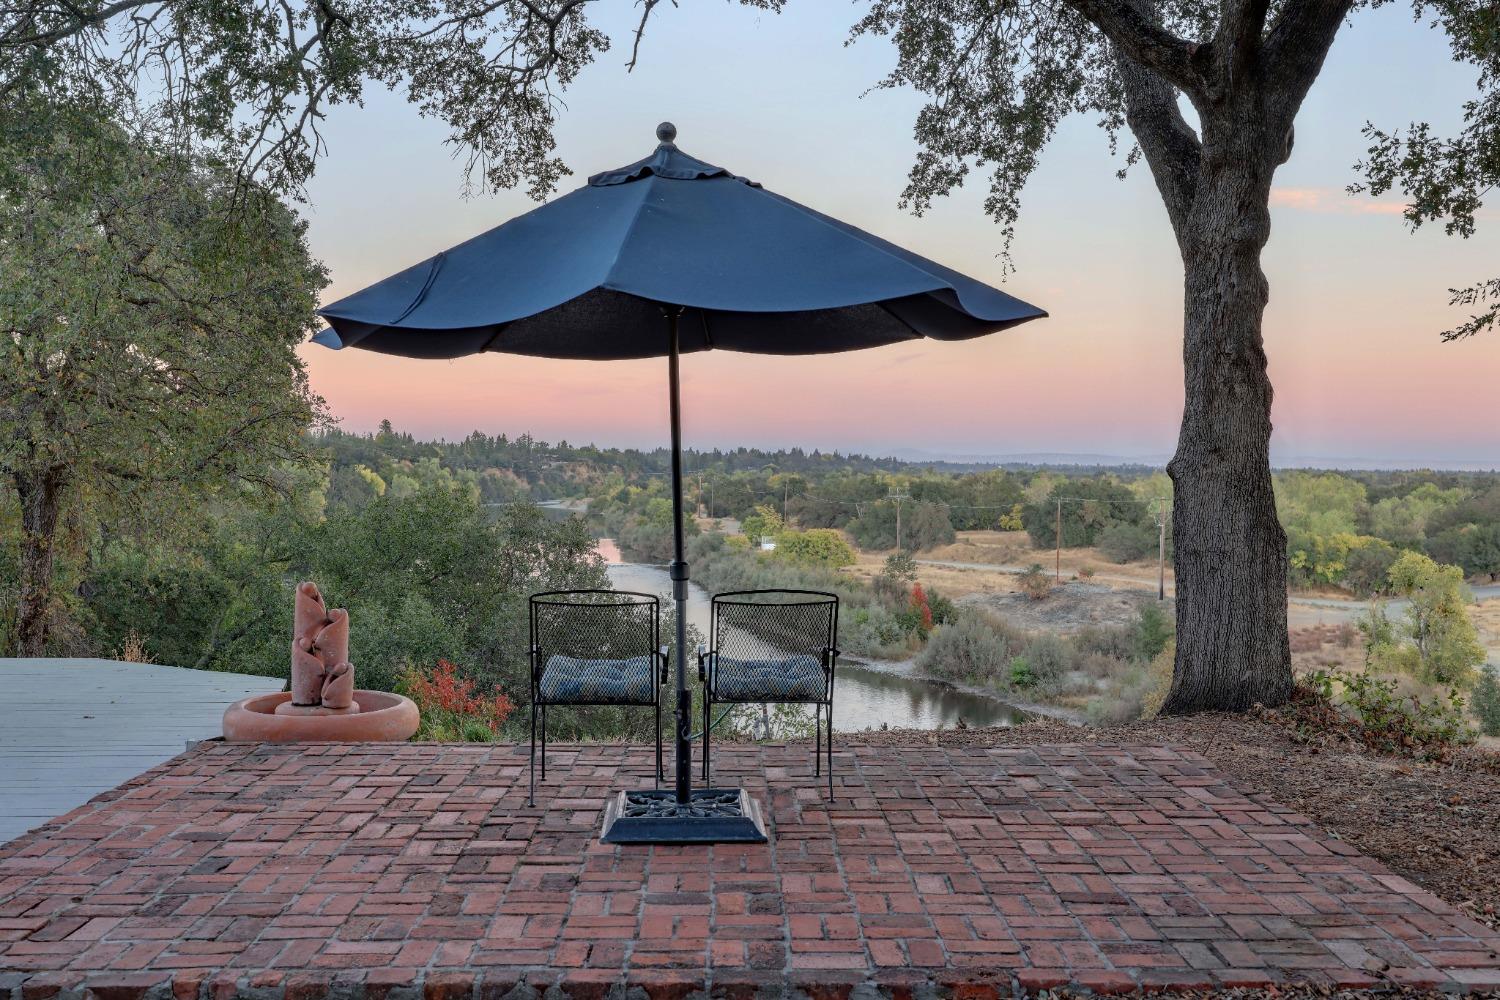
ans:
(1238, 39)
(1171, 147)
(1141, 39)
(1294, 50)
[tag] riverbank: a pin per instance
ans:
(908, 670)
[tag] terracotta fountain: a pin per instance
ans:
(322, 704)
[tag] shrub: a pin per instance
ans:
(943, 610)
(921, 607)
(452, 707)
(1370, 708)
(975, 648)
(1151, 632)
(1035, 583)
(1368, 565)
(896, 577)
(1485, 701)
(1048, 658)
(816, 546)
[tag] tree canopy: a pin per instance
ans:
(150, 356)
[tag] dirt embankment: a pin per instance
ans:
(1069, 607)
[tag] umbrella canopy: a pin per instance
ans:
(668, 255)
(584, 277)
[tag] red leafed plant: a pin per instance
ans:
(920, 606)
(451, 705)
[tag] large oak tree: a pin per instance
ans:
(1210, 92)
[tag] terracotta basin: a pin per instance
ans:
(382, 718)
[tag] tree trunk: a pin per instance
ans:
(1230, 558)
(40, 495)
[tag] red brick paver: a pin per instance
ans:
(417, 871)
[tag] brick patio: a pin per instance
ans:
(385, 872)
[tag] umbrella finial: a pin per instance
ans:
(666, 132)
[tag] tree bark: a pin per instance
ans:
(1230, 557)
(40, 496)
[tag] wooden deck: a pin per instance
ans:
(72, 728)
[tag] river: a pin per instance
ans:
(863, 697)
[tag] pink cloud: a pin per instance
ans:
(1331, 201)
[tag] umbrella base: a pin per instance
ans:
(712, 816)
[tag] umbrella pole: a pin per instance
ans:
(679, 569)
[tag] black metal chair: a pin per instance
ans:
(772, 647)
(594, 647)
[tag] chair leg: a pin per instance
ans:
(818, 735)
(707, 711)
(544, 742)
(658, 743)
(531, 770)
(830, 751)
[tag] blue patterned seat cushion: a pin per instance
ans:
(569, 680)
(795, 678)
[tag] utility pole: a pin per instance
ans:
(786, 491)
(898, 496)
(1057, 567)
(1161, 548)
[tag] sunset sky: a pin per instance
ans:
(1357, 301)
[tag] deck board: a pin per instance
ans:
(72, 728)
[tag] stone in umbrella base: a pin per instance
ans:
(711, 816)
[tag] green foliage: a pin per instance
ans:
(764, 524)
(1125, 542)
(923, 526)
(153, 311)
(1319, 504)
(1046, 659)
(433, 576)
(896, 577)
(1485, 701)
(1367, 566)
(1475, 548)
(1447, 644)
(817, 546)
(1151, 633)
(975, 649)
(1089, 507)
(1403, 519)
(1370, 708)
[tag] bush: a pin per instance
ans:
(816, 547)
(1047, 660)
(1485, 702)
(1370, 708)
(452, 707)
(1035, 583)
(1151, 632)
(1124, 542)
(975, 648)
(1367, 566)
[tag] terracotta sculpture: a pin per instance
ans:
(322, 676)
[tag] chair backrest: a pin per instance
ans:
(594, 625)
(773, 624)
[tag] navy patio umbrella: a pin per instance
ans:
(666, 256)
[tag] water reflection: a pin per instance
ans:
(863, 698)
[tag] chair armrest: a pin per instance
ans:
(536, 662)
(702, 659)
(665, 655)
